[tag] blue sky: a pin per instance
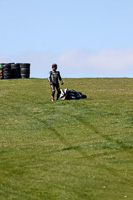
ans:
(85, 38)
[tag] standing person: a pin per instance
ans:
(53, 78)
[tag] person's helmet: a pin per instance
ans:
(54, 66)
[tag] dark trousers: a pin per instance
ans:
(57, 87)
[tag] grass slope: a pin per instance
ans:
(75, 150)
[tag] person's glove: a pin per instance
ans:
(62, 83)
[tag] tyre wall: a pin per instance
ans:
(25, 70)
(14, 70)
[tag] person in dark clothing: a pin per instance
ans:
(54, 77)
(69, 94)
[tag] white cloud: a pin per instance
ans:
(102, 63)
(79, 63)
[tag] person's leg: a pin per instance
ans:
(53, 92)
(58, 91)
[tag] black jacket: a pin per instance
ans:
(54, 76)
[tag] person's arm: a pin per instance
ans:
(49, 79)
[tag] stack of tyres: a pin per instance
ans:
(25, 70)
(7, 71)
(1, 70)
(15, 68)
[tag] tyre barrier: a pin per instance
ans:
(25, 70)
(14, 70)
(7, 71)
(1, 70)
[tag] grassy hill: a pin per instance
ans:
(74, 150)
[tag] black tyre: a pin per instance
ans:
(7, 71)
(25, 76)
(1, 70)
(25, 70)
(15, 68)
(25, 65)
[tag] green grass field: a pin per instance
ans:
(66, 150)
